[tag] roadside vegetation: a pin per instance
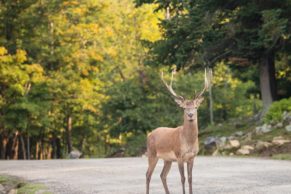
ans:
(10, 184)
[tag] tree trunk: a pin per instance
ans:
(41, 149)
(54, 146)
(58, 143)
(211, 102)
(267, 81)
(28, 147)
(81, 142)
(15, 147)
(9, 151)
(168, 14)
(23, 149)
(69, 134)
(37, 151)
(4, 142)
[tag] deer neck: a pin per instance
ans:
(190, 130)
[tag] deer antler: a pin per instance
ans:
(207, 82)
(169, 87)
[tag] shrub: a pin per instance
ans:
(277, 109)
(136, 145)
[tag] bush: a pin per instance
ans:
(136, 145)
(277, 109)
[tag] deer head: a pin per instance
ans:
(190, 106)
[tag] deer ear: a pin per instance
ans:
(180, 102)
(199, 101)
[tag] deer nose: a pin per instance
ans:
(190, 114)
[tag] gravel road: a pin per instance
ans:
(211, 175)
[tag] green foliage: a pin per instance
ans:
(136, 106)
(231, 95)
(135, 145)
(277, 109)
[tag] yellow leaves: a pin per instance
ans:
(85, 72)
(108, 31)
(149, 22)
(92, 27)
(87, 86)
(20, 56)
(79, 11)
(34, 68)
(70, 3)
(4, 57)
(3, 51)
(35, 72)
(111, 52)
(93, 54)
(98, 57)
(222, 76)
(225, 20)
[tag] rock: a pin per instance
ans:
(215, 153)
(288, 128)
(279, 125)
(245, 150)
(75, 154)
(260, 145)
(280, 140)
(222, 140)
(248, 147)
(234, 143)
(263, 129)
(211, 144)
(238, 133)
(248, 136)
(2, 189)
(242, 151)
(12, 191)
(286, 117)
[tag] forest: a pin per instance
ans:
(85, 74)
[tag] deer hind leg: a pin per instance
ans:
(152, 164)
(181, 170)
(165, 171)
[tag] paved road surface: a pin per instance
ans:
(211, 175)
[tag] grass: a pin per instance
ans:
(282, 156)
(31, 188)
(21, 186)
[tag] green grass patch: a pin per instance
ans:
(32, 188)
(3, 179)
(21, 186)
(282, 156)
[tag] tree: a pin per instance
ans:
(243, 32)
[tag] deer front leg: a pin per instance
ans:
(165, 171)
(189, 172)
(152, 164)
(181, 169)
